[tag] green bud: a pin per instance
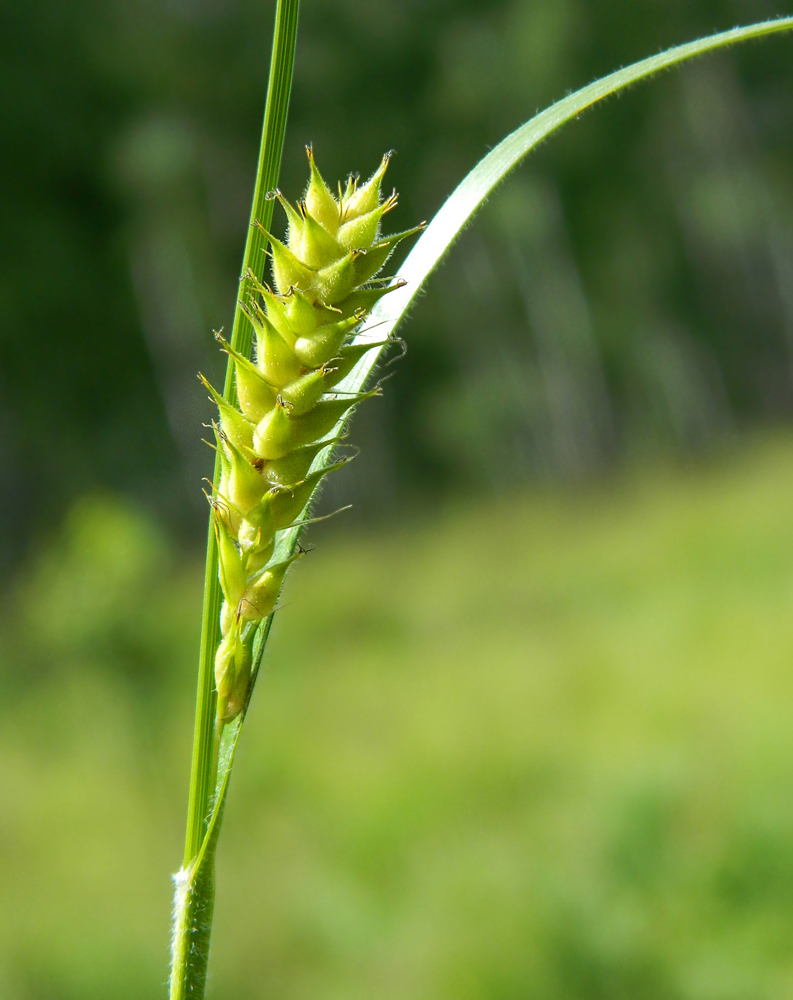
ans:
(224, 510)
(294, 466)
(257, 530)
(232, 675)
(274, 434)
(238, 697)
(256, 396)
(288, 270)
(322, 344)
(320, 203)
(235, 426)
(319, 247)
(308, 240)
(362, 231)
(305, 392)
(245, 486)
(289, 502)
(279, 432)
(231, 569)
(337, 280)
(275, 306)
(366, 298)
(228, 617)
(262, 592)
(275, 358)
(225, 663)
(361, 200)
(257, 543)
(323, 418)
(258, 558)
(304, 315)
(367, 265)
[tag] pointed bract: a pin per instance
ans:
(293, 467)
(305, 392)
(367, 265)
(324, 343)
(348, 357)
(288, 503)
(296, 226)
(365, 199)
(262, 592)
(246, 486)
(361, 231)
(288, 270)
(320, 203)
(276, 360)
(337, 280)
(274, 434)
(256, 396)
(235, 426)
(324, 417)
(305, 315)
(231, 569)
(319, 247)
(366, 298)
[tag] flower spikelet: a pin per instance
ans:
(324, 284)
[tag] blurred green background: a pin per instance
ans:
(524, 730)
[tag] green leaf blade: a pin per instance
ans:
(478, 185)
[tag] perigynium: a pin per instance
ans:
(320, 319)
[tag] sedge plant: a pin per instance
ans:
(322, 308)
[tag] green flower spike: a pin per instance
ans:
(324, 286)
(232, 673)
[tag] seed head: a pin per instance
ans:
(325, 282)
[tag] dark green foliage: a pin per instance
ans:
(633, 280)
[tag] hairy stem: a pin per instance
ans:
(195, 882)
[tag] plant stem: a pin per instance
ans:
(195, 883)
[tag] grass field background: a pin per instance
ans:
(532, 747)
